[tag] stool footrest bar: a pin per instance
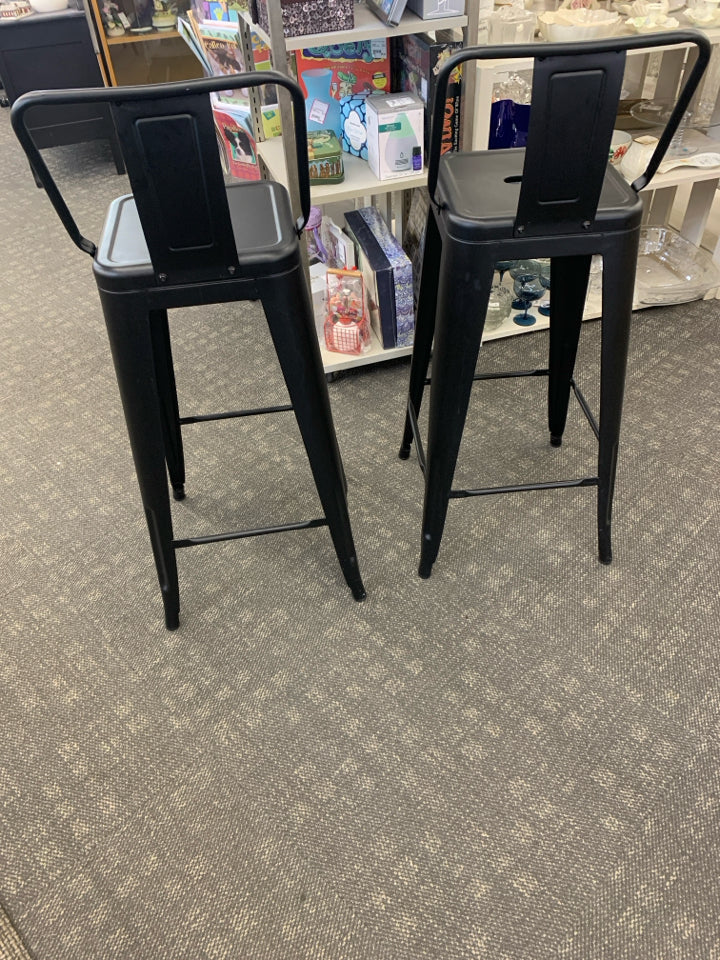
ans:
(509, 374)
(203, 418)
(241, 534)
(521, 487)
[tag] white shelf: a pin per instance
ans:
(332, 362)
(368, 27)
(359, 179)
(686, 174)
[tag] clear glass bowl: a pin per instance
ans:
(670, 269)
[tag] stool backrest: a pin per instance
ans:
(575, 94)
(168, 141)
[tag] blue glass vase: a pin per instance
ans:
(321, 109)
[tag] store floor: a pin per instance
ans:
(518, 758)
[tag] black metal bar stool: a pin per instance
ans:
(184, 238)
(557, 198)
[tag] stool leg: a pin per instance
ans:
(568, 286)
(167, 392)
(424, 327)
(128, 329)
(464, 291)
(288, 308)
(618, 282)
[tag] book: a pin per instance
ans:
(220, 41)
(389, 11)
(387, 273)
(217, 46)
(416, 60)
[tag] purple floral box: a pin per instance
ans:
(402, 275)
(304, 17)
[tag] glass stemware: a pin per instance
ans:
(502, 266)
(544, 308)
(499, 306)
(528, 289)
(523, 270)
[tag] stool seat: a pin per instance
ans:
(262, 225)
(479, 207)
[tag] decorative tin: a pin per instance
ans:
(325, 157)
(304, 17)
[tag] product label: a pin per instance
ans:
(396, 102)
(354, 130)
(318, 111)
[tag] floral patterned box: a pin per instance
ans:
(304, 17)
(388, 277)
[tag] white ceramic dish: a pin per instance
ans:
(48, 6)
(565, 26)
(703, 17)
(670, 269)
(652, 24)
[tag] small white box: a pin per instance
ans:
(395, 135)
(433, 9)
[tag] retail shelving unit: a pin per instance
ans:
(660, 195)
(359, 182)
(478, 83)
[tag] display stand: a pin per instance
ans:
(478, 84)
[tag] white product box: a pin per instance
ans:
(395, 135)
(432, 9)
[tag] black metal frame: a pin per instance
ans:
(117, 96)
(206, 248)
(457, 494)
(556, 215)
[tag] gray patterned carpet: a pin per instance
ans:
(515, 760)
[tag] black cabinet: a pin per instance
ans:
(54, 51)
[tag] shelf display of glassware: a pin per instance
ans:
(670, 269)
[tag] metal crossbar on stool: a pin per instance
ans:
(558, 198)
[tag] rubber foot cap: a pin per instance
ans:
(555, 441)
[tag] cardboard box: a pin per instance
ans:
(395, 129)
(362, 66)
(387, 273)
(416, 60)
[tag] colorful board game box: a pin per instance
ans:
(362, 66)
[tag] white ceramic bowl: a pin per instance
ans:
(48, 6)
(566, 26)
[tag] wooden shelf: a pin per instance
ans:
(142, 37)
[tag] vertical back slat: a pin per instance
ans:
(173, 163)
(574, 108)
